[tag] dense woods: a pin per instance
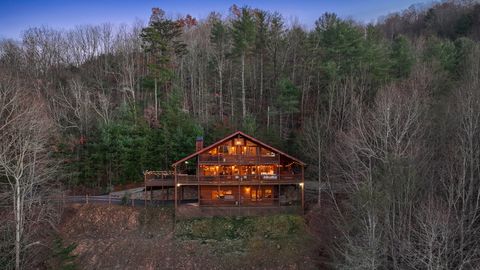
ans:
(386, 114)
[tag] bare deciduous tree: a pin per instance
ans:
(25, 163)
(380, 158)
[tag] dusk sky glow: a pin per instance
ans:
(16, 16)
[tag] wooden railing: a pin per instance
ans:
(238, 159)
(248, 202)
(243, 201)
(237, 179)
(160, 182)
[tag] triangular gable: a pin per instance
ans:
(208, 148)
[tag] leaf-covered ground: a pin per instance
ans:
(121, 237)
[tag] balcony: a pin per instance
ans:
(239, 179)
(237, 159)
(170, 182)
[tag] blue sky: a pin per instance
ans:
(18, 15)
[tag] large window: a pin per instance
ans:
(209, 170)
(266, 152)
(267, 169)
(213, 170)
(223, 149)
(257, 193)
(223, 194)
(213, 151)
(237, 146)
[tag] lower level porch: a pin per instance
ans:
(241, 195)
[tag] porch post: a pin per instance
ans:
(145, 190)
(278, 196)
(257, 162)
(303, 189)
(175, 186)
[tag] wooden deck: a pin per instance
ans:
(160, 183)
(239, 179)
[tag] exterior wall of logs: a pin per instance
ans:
(239, 171)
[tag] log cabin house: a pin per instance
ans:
(236, 171)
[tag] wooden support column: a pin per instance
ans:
(198, 176)
(239, 196)
(145, 190)
(278, 196)
(198, 193)
(302, 185)
(198, 168)
(278, 167)
(175, 186)
(257, 163)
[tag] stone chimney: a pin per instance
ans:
(199, 143)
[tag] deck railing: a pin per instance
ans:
(237, 159)
(160, 182)
(238, 179)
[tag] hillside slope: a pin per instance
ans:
(119, 237)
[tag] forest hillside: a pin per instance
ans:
(386, 115)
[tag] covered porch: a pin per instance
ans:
(250, 195)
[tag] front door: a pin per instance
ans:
(256, 194)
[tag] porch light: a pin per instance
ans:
(186, 162)
(179, 185)
(300, 184)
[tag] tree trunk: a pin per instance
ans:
(244, 105)
(156, 100)
(268, 117)
(220, 75)
(280, 125)
(319, 142)
(18, 225)
(232, 107)
(261, 82)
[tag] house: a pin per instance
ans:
(238, 171)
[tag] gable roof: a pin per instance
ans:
(231, 136)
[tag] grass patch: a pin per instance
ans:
(62, 257)
(266, 242)
(231, 228)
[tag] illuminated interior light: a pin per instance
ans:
(238, 141)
